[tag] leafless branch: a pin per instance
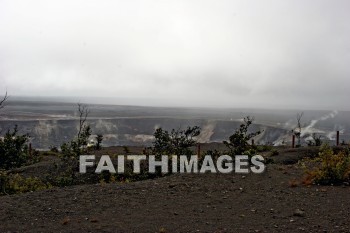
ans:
(2, 101)
(298, 134)
(83, 114)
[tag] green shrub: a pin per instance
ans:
(176, 142)
(316, 140)
(63, 181)
(15, 183)
(13, 149)
(71, 151)
(64, 172)
(99, 139)
(238, 141)
(333, 168)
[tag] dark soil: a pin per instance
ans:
(274, 201)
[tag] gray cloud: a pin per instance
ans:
(270, 54)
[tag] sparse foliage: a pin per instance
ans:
(84, 131)
(77, 146)
(15, 183)
(331, 167)
(13, 149)
(2, 101)
(99, 139)
(71, 151)
(238, 141)
(316, 140)
(176, 142)
(297, 131)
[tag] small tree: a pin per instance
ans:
(77, 146)
(316, 140)
(13, 149)
(297, 131)
(329, 167)
(177, 142)
(238, 141)
(99, 138)
(73, 149)
(84, 131)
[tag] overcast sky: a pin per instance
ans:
(266, 54)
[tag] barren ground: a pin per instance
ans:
(184, 203)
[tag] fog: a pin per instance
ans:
(197, 53)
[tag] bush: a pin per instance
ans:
(99, 139)
(177, 142)
(77, 146)
(238, 141)
(13, 149)
(316, 140)
(11, 184)
(333, 168)
(63, 181)
(71, 152)
(64, 172)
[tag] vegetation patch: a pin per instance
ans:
(15, 183)
(328, 168)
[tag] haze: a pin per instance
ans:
(255, 54)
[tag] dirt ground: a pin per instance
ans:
(184, 203)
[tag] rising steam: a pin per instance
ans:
(310, 128)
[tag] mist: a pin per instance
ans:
(255, 54)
